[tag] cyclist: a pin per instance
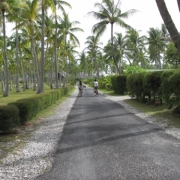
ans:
(80, 86)
(96, 87)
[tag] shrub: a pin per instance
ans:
(9, 118)
(119, 83)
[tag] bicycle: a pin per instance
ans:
(80, 92)
(96, 92)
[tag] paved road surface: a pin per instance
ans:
(103, 141)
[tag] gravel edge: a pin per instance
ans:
(35, 157)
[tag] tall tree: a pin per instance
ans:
(67, 29)
(135, 45)
(93, 45)
(45, 4)
(58, 4)
(169, 22)
(120, 45)
(16, 17)
(29, 22)
(156, 45)
(6, 6)
(110, 12)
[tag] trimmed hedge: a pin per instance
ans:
(9, 118)
(119, 83)
(19, 112)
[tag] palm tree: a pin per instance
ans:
(66, 31)
(120, 44)
(109, 12)
(169, 22)
(44, 5)
(5, 7)
(16, 17)
(135, 45)
(156, 45)
(29, 22)
(70, 55)
(82, 60)
(93, 43)
(167, 40)
(59, 3)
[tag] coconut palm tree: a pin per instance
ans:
(167, 40)
(120, 45)
(60, 5)
(156, 45)
(110, 13)
(16, 17)
(169, 22)
(29, 23)
(66, 32)
(70, 57)
(44, 6)
(6, 6)
(135, 45)
(108, 59)
(82, 60)
(93, 45)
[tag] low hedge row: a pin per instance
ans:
(152, 87)
(161, 86)
(119, 83)
(19, 112)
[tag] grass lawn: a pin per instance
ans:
(161, 112)
(14, 96)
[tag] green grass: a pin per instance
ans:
(14, 96)
(108, 92)
(160, 112)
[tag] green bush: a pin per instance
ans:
(153, 82)
(166, 84)
(27, 110)
(130, 85)
(105, 83)
(119, 84)
(9, 118)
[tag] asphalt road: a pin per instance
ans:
(103, 141)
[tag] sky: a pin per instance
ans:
(147, 16)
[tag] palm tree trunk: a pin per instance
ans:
(41, 82)
(97, 69)
(36, 69)
(169, 22)
(2, 81)
(112, 50)
(6, 92)
(17, 62)
(23, 73)
(55, 56)
(178, 2)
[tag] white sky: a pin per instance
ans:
(147, 17)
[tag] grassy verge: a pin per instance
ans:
(11, 142)
(160, 112)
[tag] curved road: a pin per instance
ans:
(103, 141)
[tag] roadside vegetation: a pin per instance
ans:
(155, 93)
(17, 138)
